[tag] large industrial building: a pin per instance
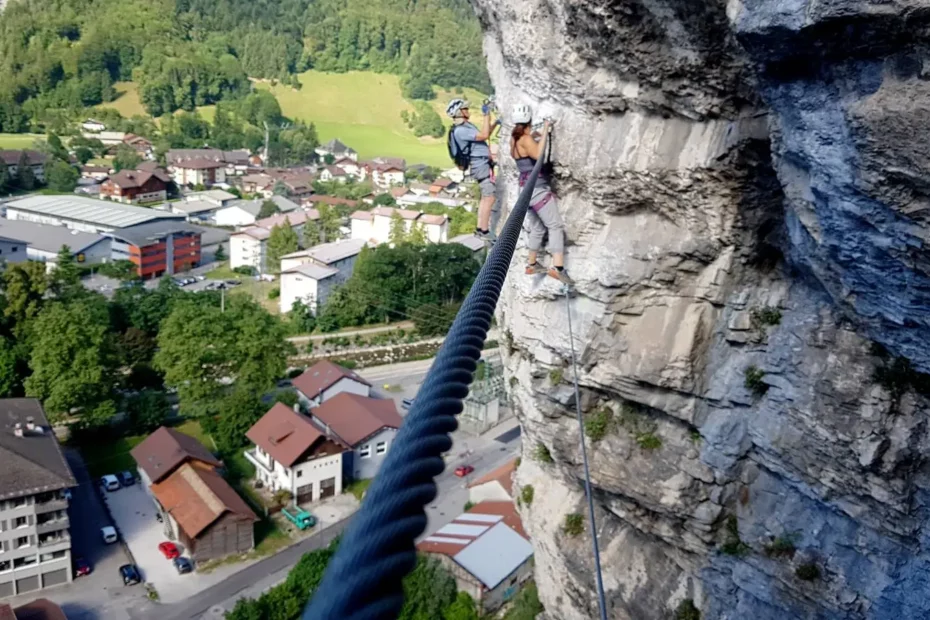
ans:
(161, 247)
(83, 214)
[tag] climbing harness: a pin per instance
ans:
(584, 457)
(364, 578)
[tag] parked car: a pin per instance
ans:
(183, 565)
(109, 535)
(130, 574)
(463, 470)
(126, 478)
(180, 281)
(169, 550)
(109, 482)
(407, 403)
(82, 567)
(233, 282)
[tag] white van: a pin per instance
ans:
(110, 482)
(109, 534)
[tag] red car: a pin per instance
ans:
(463, 470)
(81, 567)
(169, 550)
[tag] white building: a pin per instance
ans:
(93, 125)
(248, 248)
(351, 167)
(361, 222)
(196, 172)
(309, 283)
(340, 255)
(293, 453)
(334, 173)
(337, 149)
(387, 171)
(34, 159)
(13, 250)
(324, 380)
(436, 227)
(294, 219)
(45, 241)
(238, 213)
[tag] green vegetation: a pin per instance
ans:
(687, 611)
(358, 488)
(765, 316)
(24, 140)
(599, 423)
(754, 381)
(897, 375)
(468, 506)
(695, 436)
(574, 524)
(555, 376)
(526, 605)
(527, 493)
(807, 572)
(541, 453)
(782, 546)
(648, 441)
(732, 544)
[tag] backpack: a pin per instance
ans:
(461, 155)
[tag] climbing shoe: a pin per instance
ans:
(534, 269)
(483, 234)
(561, 276)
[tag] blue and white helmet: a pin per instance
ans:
(455, 106)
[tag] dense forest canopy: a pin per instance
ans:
(66, 54)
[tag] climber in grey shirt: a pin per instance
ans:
(481, 165)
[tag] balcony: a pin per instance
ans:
(51, 541)
(53, 526)
(254, 459)
(51, 505)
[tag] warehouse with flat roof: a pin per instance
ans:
(82, 213)
(45, 241)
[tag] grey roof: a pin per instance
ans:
(47, 237)
(252, 207)
(335, 146)
(331, 252)
(313, 271)
(494, 555)
(214, 194)
(33, 463)
(211, 236)
(99, 212)
(284, 203)
(195, 206)
(256, 232)
(470, 241)
(144, 234)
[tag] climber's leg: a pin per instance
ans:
(535, 233)
(550, 217)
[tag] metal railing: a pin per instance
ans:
(364, 578)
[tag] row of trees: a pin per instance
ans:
(424, 121)
(62, 56)
(429, 593)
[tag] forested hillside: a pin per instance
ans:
(58, 56)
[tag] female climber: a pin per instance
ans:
(526, 148)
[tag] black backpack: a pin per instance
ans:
(461, 155)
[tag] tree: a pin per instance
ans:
(220, 254)
(330, 223)
(9, 376)
(329, 159)
(311, 233)
(301, 317)
(61, 176)
(73, 360)
(398, 232)
(25, 285)
(6, 181)
(25, 177)
(417, 235)
(65, 279)
(238, 412)
(385, 200)
(126, 158)
(83, 154)
(55, 148)
(526, 605)
(428, 591)
(147, 410)
(283, 240)
(462, 608)
(268, 209)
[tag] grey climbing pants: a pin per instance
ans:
(546, 219)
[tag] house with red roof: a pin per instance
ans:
(496, 485)
(324, 380)
(366, 425)
(487, 551)
(294, 453)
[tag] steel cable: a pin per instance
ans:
(364, 578)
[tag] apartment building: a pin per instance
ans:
(35, 542)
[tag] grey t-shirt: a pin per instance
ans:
(480, 151)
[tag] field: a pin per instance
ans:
(18, 140)
(363, 110)
(127, 101)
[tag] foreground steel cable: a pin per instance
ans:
(363, 580)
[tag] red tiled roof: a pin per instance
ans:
(503, 509)
(39, 609)
(503, 475)
(294, 218)
(361, 215)
(162, 451)
(130, 179)
(196, 496)
(408, 214)
(322, 375)
(441, 182)
(11, 158)
(198, 164)
(284, 434)
(397, 192)
(353, 417)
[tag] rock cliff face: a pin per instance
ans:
(746, 187)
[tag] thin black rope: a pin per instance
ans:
(602, 605)
(364, 578)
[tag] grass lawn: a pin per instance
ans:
(18, 140)
(127, 101)
(358, 488)
(258, 289)
(363, 109)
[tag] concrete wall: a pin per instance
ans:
(361, 229)
(367, 466)
(296, 286)
(246, 251)
(13, 252)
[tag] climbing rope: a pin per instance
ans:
(364, 578)
(584, 457)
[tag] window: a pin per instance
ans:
(365, 451)
(26, 561)
(51, 557)
(19, 502)
(381, 448)
(19, 522)
(22, 541)
(300, 473)
(5, 565)
(15, 248)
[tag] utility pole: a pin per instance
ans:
(223, 299)
(266, 142)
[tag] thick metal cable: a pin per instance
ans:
(364, 578)
(587, 473)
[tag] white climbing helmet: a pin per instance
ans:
(521, 114)
(455, 106)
